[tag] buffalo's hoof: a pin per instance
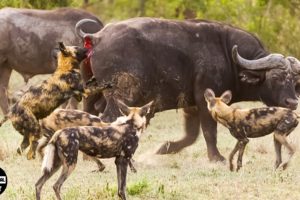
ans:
(217, 158)
(284, 165)
(167, 148)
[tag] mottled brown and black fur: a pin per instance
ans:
(39, 101)
(118, 140)
(252, 123)
(66, 118)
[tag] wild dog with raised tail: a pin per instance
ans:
(39, 101)
(252, 123)
(119, 141)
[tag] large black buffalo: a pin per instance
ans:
(173, 62)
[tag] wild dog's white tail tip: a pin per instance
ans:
(48, 158)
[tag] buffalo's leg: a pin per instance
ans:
(121, 164)
(192, 127)
(232, 153)
(277, 146)
(5, 73)
(209, 128)
(282, 139)
(242, 146)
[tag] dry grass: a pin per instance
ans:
(186, 175)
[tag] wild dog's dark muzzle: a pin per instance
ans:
(81, 54)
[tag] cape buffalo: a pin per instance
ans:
(174, 62)
(28, 36)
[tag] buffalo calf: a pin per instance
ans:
(252, 123)
(118, 140)
(39, 101)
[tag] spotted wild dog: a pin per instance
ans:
(252, 123)
(39, 101)
(119, 141)
(66, 118)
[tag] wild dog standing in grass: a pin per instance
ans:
(66, 118)
(38, 102)
(252, 123)
(118, 140)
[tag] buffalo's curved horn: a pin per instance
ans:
(268, 62)
(295, 64)
(79, 31)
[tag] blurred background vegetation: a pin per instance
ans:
(275, 22)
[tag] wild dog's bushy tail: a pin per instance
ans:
(6, 117)
(48, 160)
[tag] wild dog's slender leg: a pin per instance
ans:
(277, 146)
(132, 168)
(100, 165)
(242, 146)
(282, 139)
(122, 164)
(68, 154)
(24, 144)
(90, 90)
(233, 152)
(46, 175)
(192, 130)
(33, 141)
(66, 171)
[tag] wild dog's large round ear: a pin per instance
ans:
(124, 109)
(62, 48)
(146, 109)
(226, 96)
(209, 95)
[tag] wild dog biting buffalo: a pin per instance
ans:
(252, 123)
(174, 62)
(39, 101)
(119, 141)
(27, 37)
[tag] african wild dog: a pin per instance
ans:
(118, 140)
(252, 123)
(66, 118)
(38, 102)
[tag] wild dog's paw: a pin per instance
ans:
(91, 82)
(30, 155)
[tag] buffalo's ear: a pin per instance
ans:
(226, 96)
(146, 109)
(252, 77)
(209, 95)
(63, 49)
(124, 109)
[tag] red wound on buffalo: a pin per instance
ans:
(87, 62)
